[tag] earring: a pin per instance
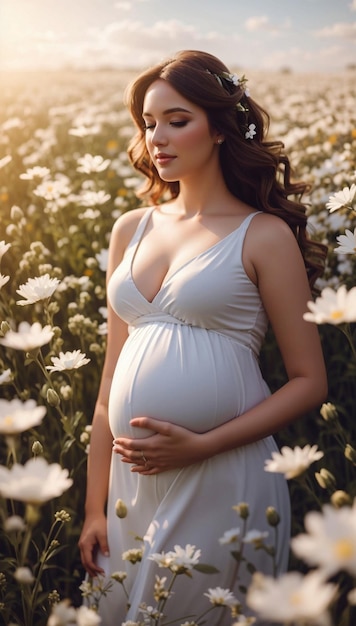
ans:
(220, 141)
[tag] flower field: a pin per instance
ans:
(64, 179)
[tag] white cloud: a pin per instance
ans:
(342, 30)
(127, 5)
(123, 6)
(262, 23)
(330, 58)
(131, 42)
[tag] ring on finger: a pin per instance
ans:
(144, 458)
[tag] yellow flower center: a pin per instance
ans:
(343, 549)
(112, 144)
(337, 314)
(8, 420)
(295, 599)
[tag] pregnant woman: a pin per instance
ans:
(194, 278)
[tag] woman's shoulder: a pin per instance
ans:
(126, 225)
(268, 228)
(269, 243)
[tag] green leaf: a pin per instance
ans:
(206, 569)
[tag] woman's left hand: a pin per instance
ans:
(169, 448)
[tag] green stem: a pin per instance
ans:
(162, 603)
(346, 330)
(275, 552)
(305, 481)
(44, 556)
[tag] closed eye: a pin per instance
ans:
(177, 124)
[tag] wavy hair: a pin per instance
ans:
(256, 171)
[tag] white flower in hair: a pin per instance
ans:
(249, 134)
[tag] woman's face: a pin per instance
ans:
(179, 139)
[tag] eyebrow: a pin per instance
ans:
(168, 111)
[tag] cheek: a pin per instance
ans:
(196, 137)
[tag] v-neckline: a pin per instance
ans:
(167, 278)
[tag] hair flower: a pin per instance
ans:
(233, 78)
(249, 134)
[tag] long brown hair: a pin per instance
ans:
(256, 171)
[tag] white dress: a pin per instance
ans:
(191, 358)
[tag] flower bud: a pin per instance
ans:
(120, 508)
(11, 230)
(66, 392)
(242, 509)
(32, 515)
(91, 262)
(16, 213)
(350, 453)
(62, 516)
(325, 479)
(24, 576)
(95, 347)
(14, 523)
(328, 412)
(37, 448)
(52, 397)
(53, 308)
(272, 515)
(57, 332)
(119, 576)
(340, 498)
(72, 308)
(53, 597)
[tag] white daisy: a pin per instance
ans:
(36, 289)
(292, 462)
(4, 247)
(68, 361)
(17, 416)
(342, 198)
(88, 164)
(347, 243)
(28, 337)
(330, 540)
(333, 307)
(221, 597)
(3, 280)
(291, 598)
(35, 482)
(230, 536)
(35, 172)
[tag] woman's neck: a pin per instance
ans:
(207, 196)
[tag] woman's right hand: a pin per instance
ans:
(92, 539)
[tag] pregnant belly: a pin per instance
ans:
(182, 374)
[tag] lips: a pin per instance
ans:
(163, 158)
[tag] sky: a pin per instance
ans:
(301, 35)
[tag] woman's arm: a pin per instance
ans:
(273, 260)
(94, 535)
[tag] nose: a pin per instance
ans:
(158, 136)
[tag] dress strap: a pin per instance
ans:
(246, 222)
(137, 236)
